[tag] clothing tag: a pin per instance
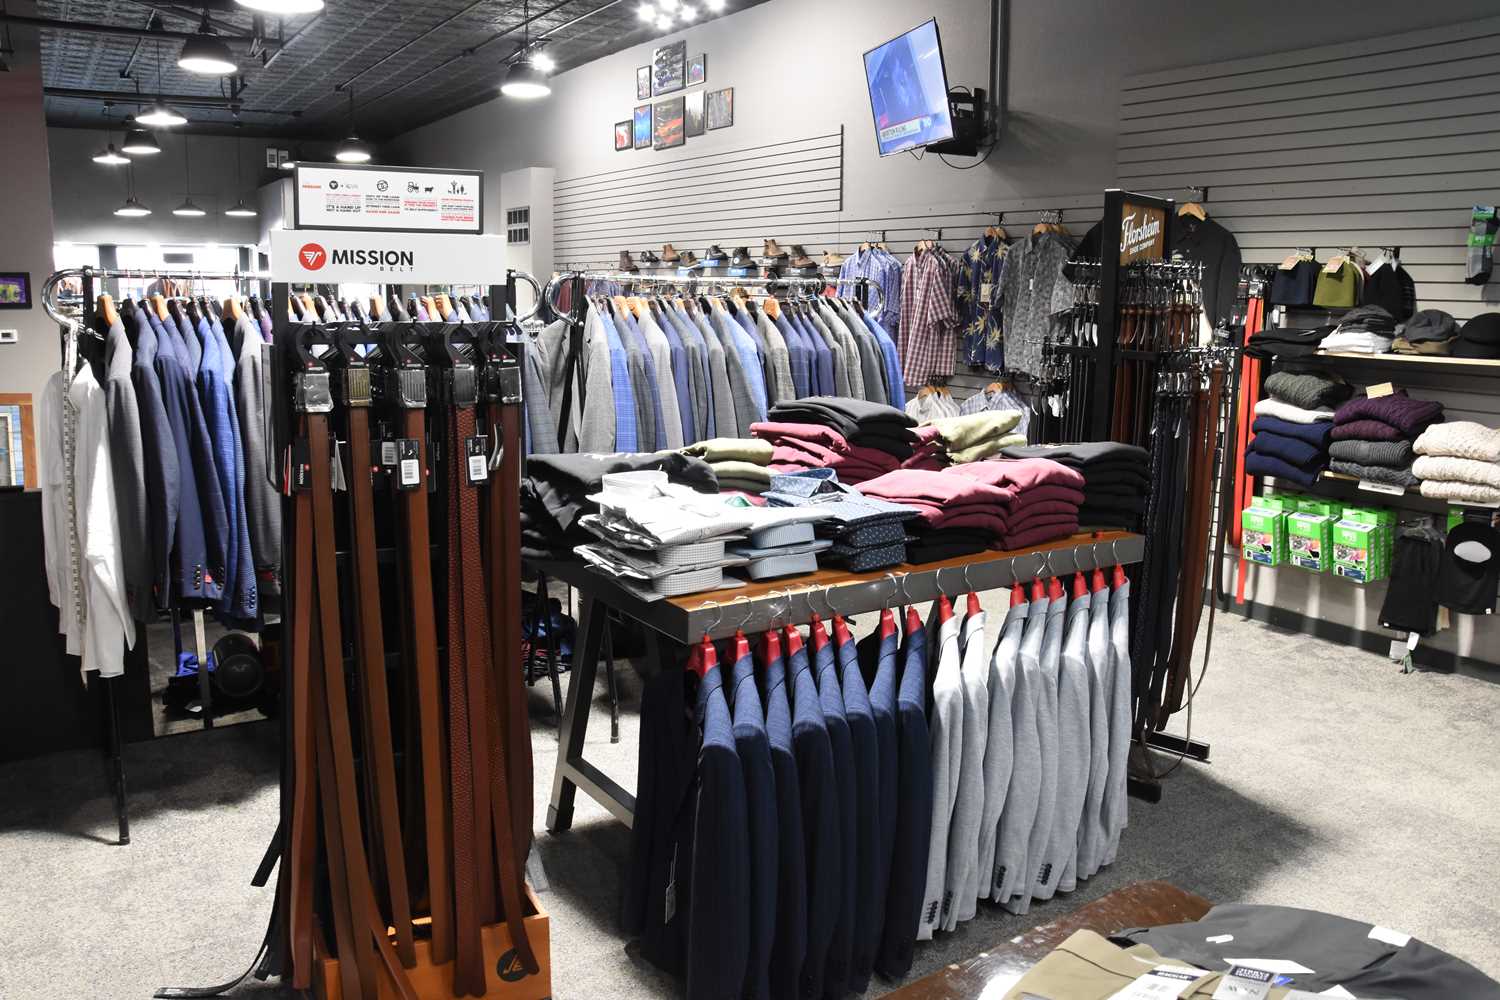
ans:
(1280, 966)
(985, 289)
(1380, 389)
(1387, 488)
(1290, 262)
(1159, 984)
(1393, 938)
(477, 458)
(1335, 264)
(1242, 983)
(301, 466)
(1220, 939)
(498, 454)
(670, 909)
(388, 452)
(1376, 266)
(336, 469)
(1031, 284)
(1397, 651)
(409, 463)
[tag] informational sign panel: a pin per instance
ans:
(331, 256)
(392, 199)
(1143, 232)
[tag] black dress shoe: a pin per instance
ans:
(742, 257)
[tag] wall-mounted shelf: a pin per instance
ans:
(1484, 366)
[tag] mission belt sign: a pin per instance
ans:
(1143, 232)
(329, 257)
(392, 199)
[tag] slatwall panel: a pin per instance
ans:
(792, 191)
(1386, 142)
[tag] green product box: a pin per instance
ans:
(1362, 541)
(1320, 505)
(1279, 500)
(1264, 535)
(1310, 541)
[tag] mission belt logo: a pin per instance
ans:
(313, 256)
(509, 968)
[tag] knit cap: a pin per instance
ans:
(1479, 338)
(1337, 290)
(1430, 324)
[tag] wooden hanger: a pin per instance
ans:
(1194, 209)
(107, 310)
(445, 306)
(431, 307)
(375, 310)
(772, 307)
(232, 308)
(309, 310)
(159, 303)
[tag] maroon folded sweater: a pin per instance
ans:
(1048, 494)
(939, 487)
(1407, 415)
(1366, 430)
(1036, 536)
(775, 432)
(1022, 473)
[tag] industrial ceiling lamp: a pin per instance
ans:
(139, 142)
(239, 209)
(206, 53)
(187, 209)
(283, 6)
(132, 209)
(109, 156)
(353, 149)
(525, 80)
(158, 115)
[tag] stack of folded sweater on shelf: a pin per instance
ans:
(555, 494)
(977, 436)
(1459, 461)
(1364, 330)
(1293, 425)
(813, 446)
(1116, 479)
(867, 532)
(1430, 331)
(1285, 342)
(740, 464)
(1373, 435)
(931, 453)
(1045, 497)
(862, 424)
(960, 515)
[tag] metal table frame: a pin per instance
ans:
(672, 623)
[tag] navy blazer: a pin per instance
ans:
(878, 664)
(789, 943)
(841, 949)
(866, 804)
(820, 817)
(913, 811)
(753, 746)
(160, 450)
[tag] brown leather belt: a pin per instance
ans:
(302, 846)
(380, 757)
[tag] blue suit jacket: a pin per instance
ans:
(837, 980)
(753, 746)
(789, 944)
(163, 490)
(797, 356)
(820, 819)
(866, 793)
(913, 811)
(718, 917)
(878, 664)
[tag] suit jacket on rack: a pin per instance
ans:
(262, 503)
(128, 463)
(159, 451)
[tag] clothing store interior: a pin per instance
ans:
(749, 499)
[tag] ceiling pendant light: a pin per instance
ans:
(109, 156)
(206, 53)
(239, 209)
(187, 209)
(353, 149)
(139, 142)
(158, 115)
(132, 209)
(714, 5)
(283, 6)
(687, 13)
(664, 22)
(525, 80)
(646, 12)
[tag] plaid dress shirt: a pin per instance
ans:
(927, 336)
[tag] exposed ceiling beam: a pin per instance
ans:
(181, 100)
(124, 30)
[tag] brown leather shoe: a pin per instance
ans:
(831, 259)
(687, 259)
(800, 257)
(626, 263)
(773, 251)
(669, 254)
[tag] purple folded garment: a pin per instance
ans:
(1367, 430)
(940, 487)
(1036, 536)
(1407, 415)
(1289, 449)
(1257, 464)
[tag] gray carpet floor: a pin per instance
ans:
(1337, 783)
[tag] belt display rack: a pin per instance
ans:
(673, 623)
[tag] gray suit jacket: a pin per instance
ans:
(778, 362)
(871, 361)
(592, 428)
(851, 351)
(128, 460)
(836, 345)
(699, 392)
(262, 502)
(745, 410)
(726, 422)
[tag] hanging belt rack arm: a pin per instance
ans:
(675, 622)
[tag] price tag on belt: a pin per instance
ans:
(1244, 983)
(388, 452)
(476, 458)
(409, 464)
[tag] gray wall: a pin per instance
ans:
(87, 193)
(1388, 141)
(27, 241)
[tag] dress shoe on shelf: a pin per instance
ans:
(831, 259)
(669, 254)
(800, 257)
(742, 258)
(626, 263)
(688, 259)
(773, 251)
(649, 257)
(713, 255)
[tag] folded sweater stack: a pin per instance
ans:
(862, 424)
(966, 514)
(740, 464)
(1372, 437)
(1291, 438)
(867, 532)
(1459, 461)
(931, 453)
(1116, 478)
(977, 436)
(795, 447)
(1045, 497)
(1365, 330)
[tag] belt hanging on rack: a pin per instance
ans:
(353, 384)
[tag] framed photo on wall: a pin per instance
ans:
(669, 123)
(643, 84)
(692, 117)
(669, 68)
(15, 290)
(623, 139)
(721, 108)
(697, 70)
(642, 131)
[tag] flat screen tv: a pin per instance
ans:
(909, 90)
